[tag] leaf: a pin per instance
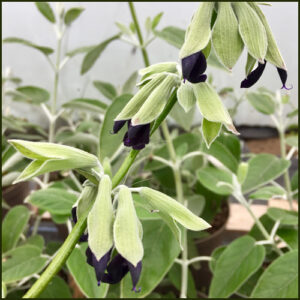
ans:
(130, 83)
(252, 30)
(262, 102)
(84, 274)
(268, 224)
(263, 168)
(285, 217)
(283, 270)
(210, 131)
(247, 288)
(200, 22)
(44, 50)
(235, 265)
(56, 201)
(110, 143)
(24, 261)
(46, 10)
(13, 226)
(290, 236)
(292, 140)
(293, 113)
(160, 250)
(156, 20)
(36, 240)
(267, 192)
(212, 178)
(72, 14)
(80, 50)
(211, 106)
(106, 89)
(182, 118)
(56, 288)
(30, 94)
(94, 53)
(226, 39)
(215, 256)
(91, 105)
(174, 209)
(172, 35)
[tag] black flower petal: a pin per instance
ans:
(84, 238)
(73, 212)
(99, 265)
(116, 270)
(118, 126)
(137, 136)
(135, 273)
(193, 66)
(253, 77)
(283, 77)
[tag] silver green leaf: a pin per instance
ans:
(242, 172)
(100, 220)
(72, 14)
(211, 106)
(226, 39)
(170, 67)
(251, 30)
(174, 209)
(127, 228)
(86, 199)
(198, 33)
(262, 102)
(46, 10)
(155, 103)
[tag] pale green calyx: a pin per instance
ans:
(100, 220)
(127, 228)
(174, 209)
(135, 103)
(199, 32)
(49, 157)
(156, 102)
(211, 106)
(185, 96)
(170, 67)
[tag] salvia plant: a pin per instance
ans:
(112, 215)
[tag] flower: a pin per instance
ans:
(83, 237)
(193, 67)
(254, 76)
(136, 136)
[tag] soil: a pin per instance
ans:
(220, 218)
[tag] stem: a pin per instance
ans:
(36, 225)
(139, 34)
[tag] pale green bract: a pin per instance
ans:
(174, 209)
(135, 103)
(198, 34)
(211, 106)
(185, 96)
(156, 102)
(49, 157)
(127, 228)
(210, 131)
(100, 220)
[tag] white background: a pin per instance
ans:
(20, 19)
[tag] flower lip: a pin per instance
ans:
(193, 66)
(253, 76)
(283, 77)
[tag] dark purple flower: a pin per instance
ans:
(136, 137)
(99, 265)
(193, 67)
(119, 267)
(283, 77)
(83, 237)
(254, 76)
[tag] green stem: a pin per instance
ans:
(139, 34)
(180, 198)
(286, 176)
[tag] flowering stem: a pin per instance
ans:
(139, 34)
